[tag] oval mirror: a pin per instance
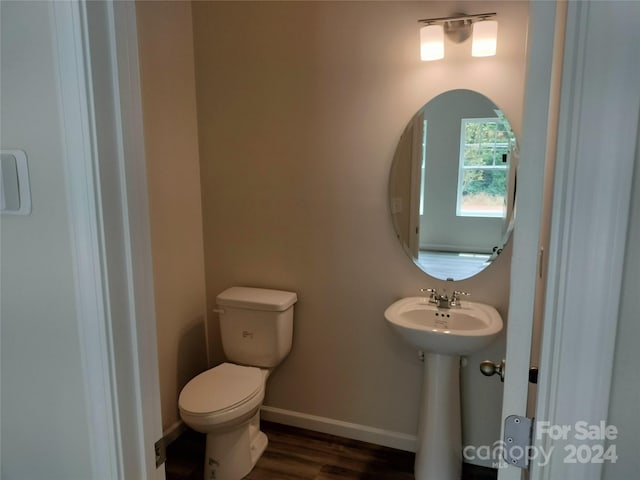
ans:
(452, 185)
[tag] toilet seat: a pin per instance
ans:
(221, 388)
(222, 394)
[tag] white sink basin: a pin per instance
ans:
(446, 331)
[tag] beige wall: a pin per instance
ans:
(171, 142)
(44, 420)
(300, 107)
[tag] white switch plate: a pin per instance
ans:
(15, 191)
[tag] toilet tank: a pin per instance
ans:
(256, 325)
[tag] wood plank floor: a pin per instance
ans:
(298, 454)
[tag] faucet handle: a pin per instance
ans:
(433, 294)
(455, 298)
(457, 293)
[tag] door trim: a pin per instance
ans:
(592, 194)
(86, 235)
(526, 234)
(97, 61)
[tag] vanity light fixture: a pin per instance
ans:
(485, 38)
(431, 42)
(458, 28)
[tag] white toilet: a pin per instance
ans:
(256, 326)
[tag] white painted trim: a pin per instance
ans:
(416, 199)
(363, 433)
(86, 238)
(592, 194)
(96, 46)
(124, 38)
(524, 261)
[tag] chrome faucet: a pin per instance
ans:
(442, 300)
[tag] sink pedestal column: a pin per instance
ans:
(439, 451)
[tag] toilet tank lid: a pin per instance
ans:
(257, 298)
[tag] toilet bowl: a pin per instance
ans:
(224, 403)
(256, 327)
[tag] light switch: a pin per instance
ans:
(15, 192)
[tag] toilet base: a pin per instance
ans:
(232, 454)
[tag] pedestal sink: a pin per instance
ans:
(443, 334)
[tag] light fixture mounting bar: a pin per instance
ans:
(456, 18)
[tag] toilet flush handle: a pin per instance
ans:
(219, 311)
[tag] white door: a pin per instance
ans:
(596, 134)
(536, 147)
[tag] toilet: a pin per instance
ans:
(256, 327)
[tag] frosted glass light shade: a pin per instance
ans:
(485, 38)
(431, 43)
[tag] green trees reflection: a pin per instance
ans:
(486, 144)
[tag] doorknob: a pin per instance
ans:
(489, 368)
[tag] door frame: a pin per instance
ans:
(590, 219)
(534, 151)
(588, 233)
(96, 55)
(120, 352)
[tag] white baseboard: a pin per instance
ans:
(377, 436)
